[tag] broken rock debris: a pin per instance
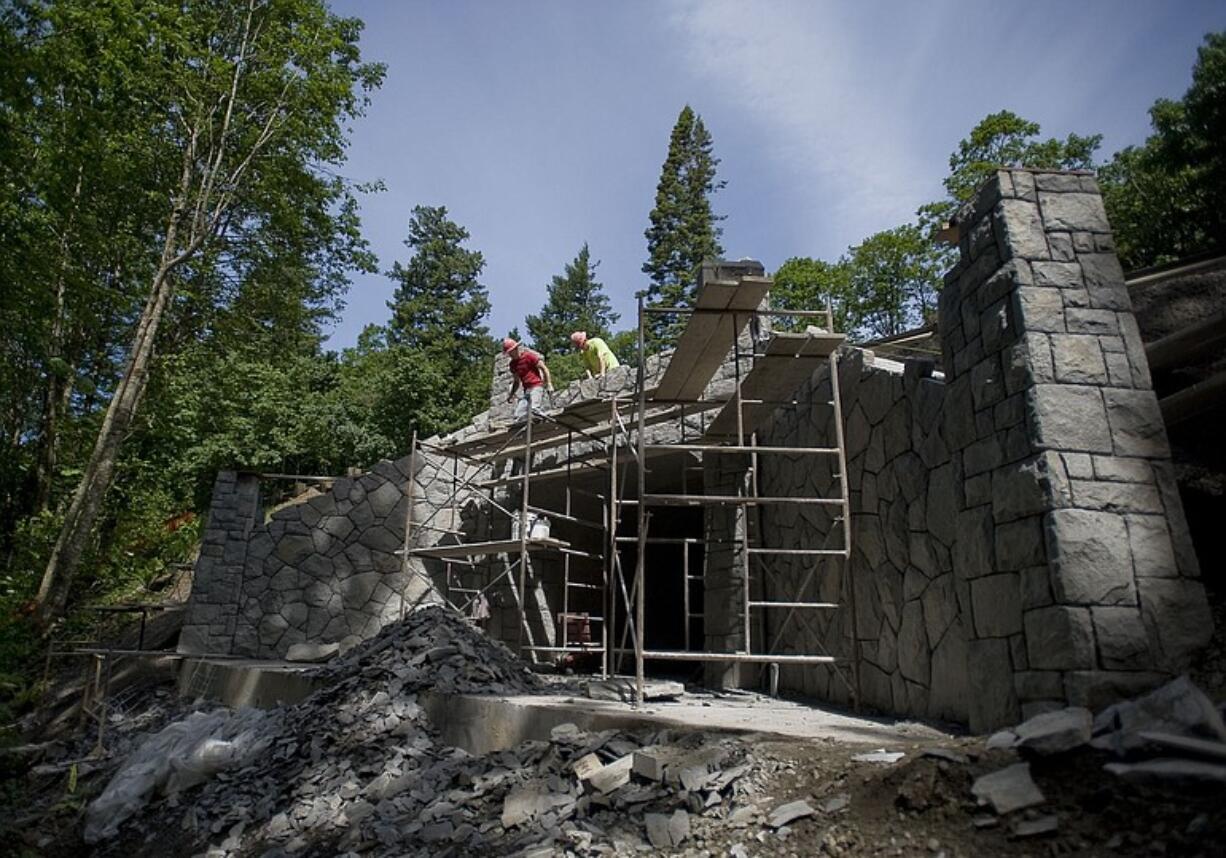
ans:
(357, 767)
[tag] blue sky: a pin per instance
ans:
(542, 125)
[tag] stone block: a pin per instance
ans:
(1090, 560)
(982, 456)
(1029, 487)
(949, 689)
(381, 539)
(1116, 497)
(1119, 370)
(1089, 321)
(1020, 544)
(1037, 308)
(914, 654)
(972, 551)
(1123, 470)
(1123, 643)
(940, 603)
(1153, 553)
(1079, 466)
(1058, 275)
(1038, 685)
(1036, 587)
(1176, 615)
(1104, 280)
(294, 548)
(1059, 638)
(1095, 689)
(1019, 230)
(1069, 417)
(1134, 347)
(942, 502)
(1078, 359)
(997, 608)
(1061, 244)
(1136, 423)
(1073, 212)
(993, 702)
(384, 498)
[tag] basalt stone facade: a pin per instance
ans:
(1018, 539)
(323, 570)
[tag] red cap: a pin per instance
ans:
(508, 344)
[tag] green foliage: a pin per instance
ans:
(684, 230)
(895, 276)
(1167, 198)
(802, 283)
(1005, 139)
(442, 347)
(576, 302)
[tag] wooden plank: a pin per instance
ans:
(787, 362)
(1193, 401)
(477, 549)
(709, 336)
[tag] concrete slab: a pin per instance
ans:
(484, 723)
(240, 683)
(481, 724)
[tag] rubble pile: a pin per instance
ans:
(357, 767)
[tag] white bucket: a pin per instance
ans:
(538, 526)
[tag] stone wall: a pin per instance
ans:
(1018, 540)
(321, 570)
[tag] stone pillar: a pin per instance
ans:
(1072, 558)
(217, 581)
(724, 567)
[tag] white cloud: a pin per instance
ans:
(831, 108)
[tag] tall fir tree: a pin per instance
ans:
(576, 302)
(684, 230)
(439, 310)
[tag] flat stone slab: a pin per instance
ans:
(1008, 790)
(1170, 770)
(312, 653)
(1055, 732)
(790, 812)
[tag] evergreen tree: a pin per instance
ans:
(439, 301)
(576, 302)
(438, 318)
(684, 231)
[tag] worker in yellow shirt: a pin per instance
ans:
(598, 358)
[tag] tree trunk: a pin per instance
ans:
(59, 389)
(96, 481)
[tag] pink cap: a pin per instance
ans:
(508, 344)
(579, 338)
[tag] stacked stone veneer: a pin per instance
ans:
(1018, 540)
(1017, 537)
(323, 570)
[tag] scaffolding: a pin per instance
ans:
(728, 316)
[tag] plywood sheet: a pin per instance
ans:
(709, 336)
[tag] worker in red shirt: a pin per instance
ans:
(527, 369)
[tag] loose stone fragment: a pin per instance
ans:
(1036, 827)
(881, 755)
(613, 775)
(1008, 789)
(1055, 732)
(1169, 770)
(587, 766)
(789, 812)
